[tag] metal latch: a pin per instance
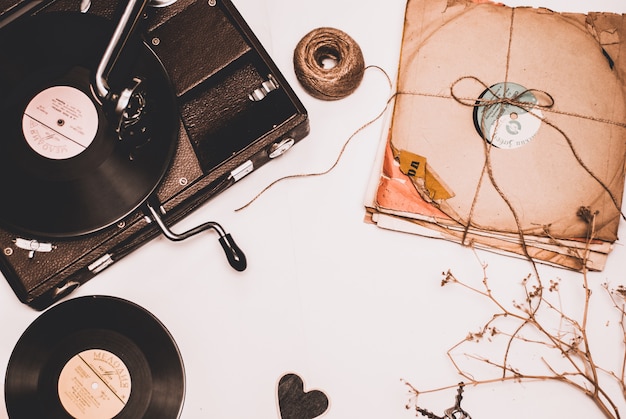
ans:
(101, 263)
(242, 170)
(33, 246)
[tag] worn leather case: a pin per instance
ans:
(237, 113)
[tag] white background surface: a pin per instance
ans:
(351, 308)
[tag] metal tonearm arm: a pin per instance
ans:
(124, 29)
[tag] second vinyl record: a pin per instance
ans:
(95, 358)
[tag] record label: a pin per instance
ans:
(94, 384)
(60, 122)
(505, 125)
(95, 357)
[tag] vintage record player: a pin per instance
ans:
(119, 118)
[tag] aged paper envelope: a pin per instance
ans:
(507, 122)
(549, 135)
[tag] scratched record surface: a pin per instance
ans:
(64, 170)
(95, 357)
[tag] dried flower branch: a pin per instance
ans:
(565, 347)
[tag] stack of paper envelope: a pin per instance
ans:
(508, 131)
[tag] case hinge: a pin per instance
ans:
(266, 87)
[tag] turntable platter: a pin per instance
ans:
(65, 167)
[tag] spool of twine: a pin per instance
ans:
(328, 63)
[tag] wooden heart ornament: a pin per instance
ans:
(295, 402)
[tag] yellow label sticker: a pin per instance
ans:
(427, 182)
(412, 165)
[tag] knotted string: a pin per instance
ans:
(518, 101)
(526, 105)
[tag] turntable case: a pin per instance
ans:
(216, 65)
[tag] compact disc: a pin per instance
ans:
(95, 358)
(68, 167)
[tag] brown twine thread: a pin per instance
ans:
(343, 148)
(341, 80)
(516, 101)
(328, 63)
(488, 169)
(528, 107)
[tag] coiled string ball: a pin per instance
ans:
(328, 64)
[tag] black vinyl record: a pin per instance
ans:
(65, 169)
(95, 357)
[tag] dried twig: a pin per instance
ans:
(574, 363)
